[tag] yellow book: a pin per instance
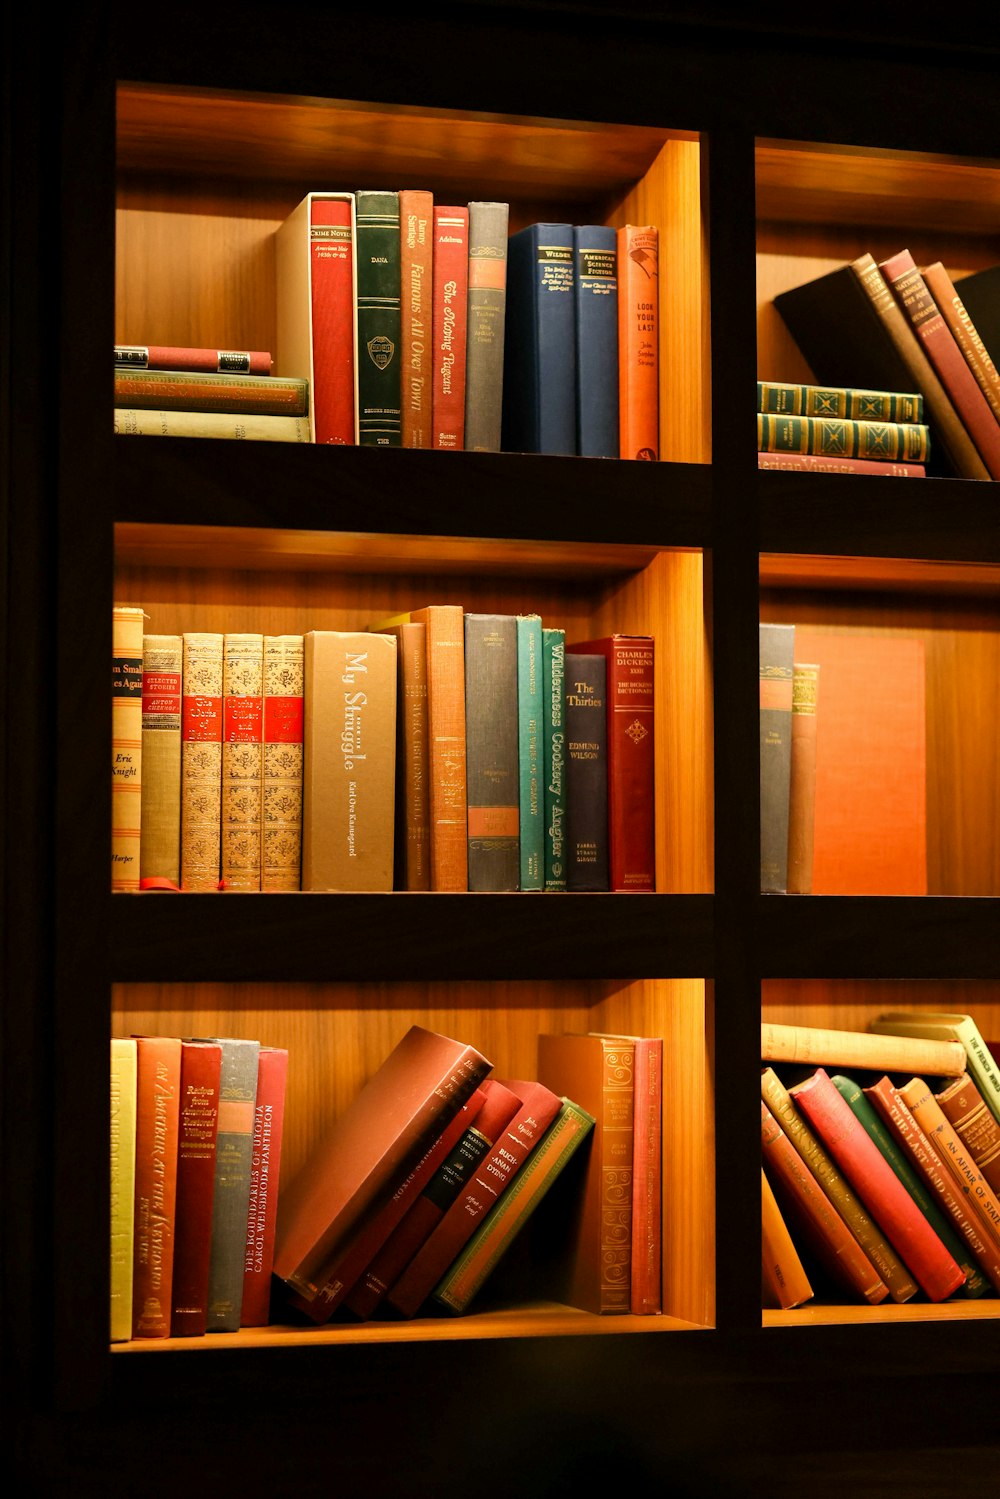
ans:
(123, 1082)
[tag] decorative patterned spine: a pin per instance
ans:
(281, 791)
(201, 761)
(126, 745)
(242, 686)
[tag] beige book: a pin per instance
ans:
(242, 755)
(350, 760)
(201, 761)
(802, 778)
(126, 745)
(123, 1084)
(816, 1046)
(281, 803)
(236, 425)
(160, 846)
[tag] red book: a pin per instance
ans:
(198, 1126)
(631, 790)
(647, 1167)
(416, 235)
(158, 1089)
(331, 240)
(450, 325)
(205, 361)
(425, 1211)
(638, 341)
(817, 463)
(370, 1148)
(878, 1186)
(539, 1106)
(914, 296)
(265, 1168)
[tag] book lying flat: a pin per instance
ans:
(945, 1025)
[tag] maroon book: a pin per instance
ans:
(449, 325)
(331, 248)
(631, 816)
(206, 361)
(539, 1106)
(265, 1168)
(198, 1127)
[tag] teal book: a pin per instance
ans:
(554, 756)
(531, 766)
(380, 422)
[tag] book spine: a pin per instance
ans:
(333, 312)
(587, 864)
(802, 778)
(530, 751)
(265, 1172)
(491, 725)
(379, 320)
(554, 750)
(784, 1282)
(631, 764)
(412, 859)
(129, 421)
(839, 402)
(234, 1145)
(815, 1046)
(201, 761)
(595, 281)
(777, 653)
(913, 295)
(268, 396)
(975, 1056)
(964, 332)
(160, 843)
(416, 231)
(242, 753)
(198, 1127)
(966, 1110)
(487, 302)
(450, 324)
(647, 1178)
(282, 763)
(814, 463)
(158, 1079)
(638, 341)
(126, 746)
(878, 441)
(949, 1145)
(123, 1096)
(445, 624)
(984, 1070)
(616, 1140)
(539, 394)
(206, 361)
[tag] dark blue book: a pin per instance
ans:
(539, 386)
(595, 255)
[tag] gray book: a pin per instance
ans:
(491, 733)
(234, 1146)
(485, 335)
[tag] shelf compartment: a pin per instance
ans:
(940, 535)
(878, 937)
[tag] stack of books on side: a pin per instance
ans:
(163, 391)
(841, 431)
(436, 750)
(883, 1180)
(196, 1127)
(897, 325)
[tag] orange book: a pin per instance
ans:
(638, 341)
(784, 1282)
(416, 229)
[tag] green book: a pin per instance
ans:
(839, 401)
(380, 421)
(945, 1026)
(531, 771)
(834, 437)
(464, 1277)
(554, 762)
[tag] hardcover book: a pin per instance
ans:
(160, 841)
(554, 753)
(839, 402)
(350, 760)
(379, 319)
(965, 333)
(198, 1126)
(888, 442)
(595, 283)
(157, 1098)
(539, 388)
(412, 852)
(943, 1025)
(450, 325)
(156, 390)
(126, 746)
(445, 627)
(980, 294)
(491, 723)
(208, 361)
(317, 310)
(784, 1282)
(242, 760)
(647, 1173)
(416, 230)
(777, 661)
(265, 1176)
(233, 1150)
(129, 421)
(531, 770)
(123, 1093)
(817, 1046)
(814, 463)
(638, 341)
(944, 1138)
(802, 778)
(967, 1111)
(487, 307)
(587, 857)
(282, 766)
(201, 760)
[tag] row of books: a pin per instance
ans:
(824, 429)
(406, 322)
(438, 750)
(895, 325)
(423, 1183)
(196, 1129)
(882, 1181)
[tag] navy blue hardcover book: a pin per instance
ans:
(595, 257)
(539, 387)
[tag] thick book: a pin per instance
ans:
(369, 1149)
(851, 330)
(201, 760)
(131, 421)
(784, 1282)
(914, 296)
(631, 758)
(416, 280)
(233, 1150)
(539, 388)
(123, 1093)
(449, 325)
(157, 1101)
(819, 1046)
(886, 442)
(265, 1178)
(554, 756)
(491, 734)
(531, 756)
(484, 1186)
(980, 293)
(270, 395)
(967, 1111)
(595, 290)
(639, 341)
(207, 361)
(412, 853)
(160, 840)
(877, 1185)
(445, 626)
(569, 1130)
(379, 318)
(964, 332)
(595, 1254)
(839, 402)
(586, 772)
(350, 760)
(943, 1025)
(942, 1135)
(813, 463)
(198, 1127)
(647, 1174)
(126, 746)
(487, 306)
(242, 759)
(802, 777)
(282, 763)
(777, 670)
